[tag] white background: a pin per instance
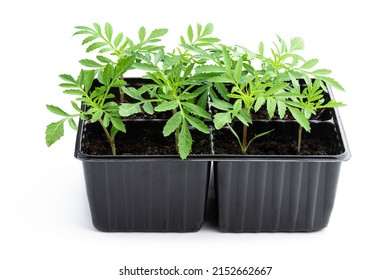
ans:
(46, 230)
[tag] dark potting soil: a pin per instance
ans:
(143, 138)
(274, 143)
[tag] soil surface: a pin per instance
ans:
(321, 142)
(145, 138)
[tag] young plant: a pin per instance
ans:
(310, 100)
(99, 103)
(175, 89)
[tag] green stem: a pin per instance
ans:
(121, 92)
(110, 139)
(299, 140)
(244, 139)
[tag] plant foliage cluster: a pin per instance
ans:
(200, 74)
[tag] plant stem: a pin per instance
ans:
(110, 139)
(299, 140)
(177, 131)
(244, 138)
(121, 92)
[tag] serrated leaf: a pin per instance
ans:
(182, 40)
(72, 124)
(190, 33)
(196, 110)
(220, 79)
(173, 123)
(226, 58)
(107, 74)
(309, 64)
(118, 124)
(222, 90)
(95, 46)
(185, 141)
(158, 33)
(221, 119)
(332, 82)
(146, 67)
(198, 124)
(297, 44)
(96, 115)
(281, 109)
(74, 91)
(300, 118)
(128, 109)
(261, 49)
(75, 106)
(166, 106)
(90, 63)
(238, 70)
(148, 108)
(108, 31)
(89, 39)
(118, 39)
(56, 110)
(142, 34)
(237, 106)
(119, 83)
(321, 72)
(209, 68)
(54, 132)
(97, 28)
(209, 28)
(259, 102)
(244, 117)
(271, 107)
(221, 105)
(68, 78)
(67, 85)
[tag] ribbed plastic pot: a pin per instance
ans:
(280, 193)
(139, 193)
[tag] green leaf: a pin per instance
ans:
(56, 110)
(332, 82)
(185, 141)
(321, 72)
(96, 115)
(244, 117)
(196, 110)
(166, 106)
(238, 70)
(72, 124)
(118, 124)
(148, 108)
(95, 46)
(226, 58)
(237, 107)
(221, 105)
(118, 39)
(271, 107)
(97, 28)
(281, 109)
(119, 83)
(297, 44)
(300, 118)
(209, 68)
(54, 132)
(259, 102)
(74, 91)
(158, 33)
(107, 74)
(220, 79)
(190, 33)
(261, 49)
(68, 78)
(89, 39)
(146, 67)
(309, 64)
(128, 109)
(142, 34)
(209, 28)
(75, 106)
(221, 119)
(173, 123)
(90, 63)
(108, 31)
(198, 124)
(222, 90)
